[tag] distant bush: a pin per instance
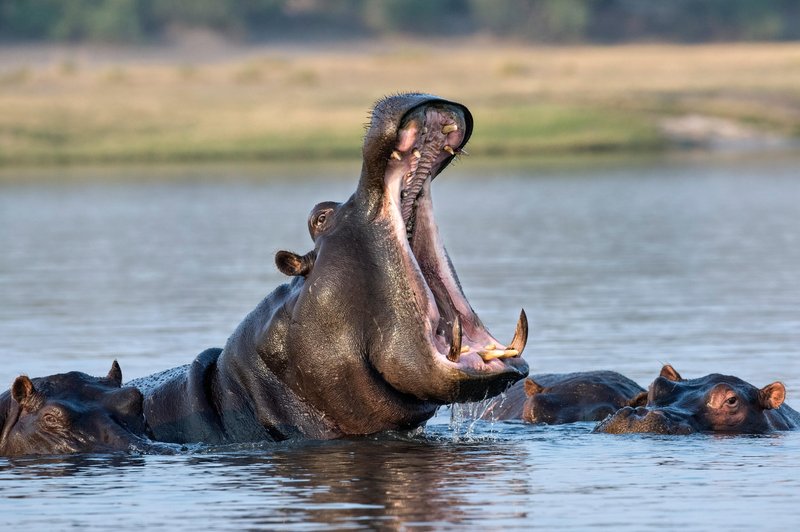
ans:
(533, 20)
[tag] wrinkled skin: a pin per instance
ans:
(711, 404)
(70, 413)
(372, 333)
(565, 398)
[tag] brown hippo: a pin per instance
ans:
(372, 333)
(71, 412)
(557, 398)
(714, 403)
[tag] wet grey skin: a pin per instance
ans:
(71, 413)
(720, 404)
(373, 331)
(557, 398)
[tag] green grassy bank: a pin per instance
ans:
(277, 104)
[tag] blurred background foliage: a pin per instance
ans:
(538, 21)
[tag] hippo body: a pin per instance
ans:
(372, 333)
(71, 412)
(711, 404)
(557, 398)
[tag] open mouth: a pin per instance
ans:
(429, 137)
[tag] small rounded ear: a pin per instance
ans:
(532, 387)
(669, 373)
(639, 400)
(772, 395)
(22, 389)
(292, 264)
(115, 374)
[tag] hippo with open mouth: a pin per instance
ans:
(69, 413)
(714, 403)
(373, 333)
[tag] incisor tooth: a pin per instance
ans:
(396, 155)
(491, 354)
(449, 128)
(489, 347)
(449, 150)
(465, 349)
(417, 154)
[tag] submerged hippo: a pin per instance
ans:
(69, 413)
(373, 332)
(565, 398)
(714, 403)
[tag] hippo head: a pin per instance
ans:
(714, 403)
(70, 412)
(381, 307)
(585, 396)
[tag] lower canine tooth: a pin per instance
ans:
(396, 155)
(511, 352)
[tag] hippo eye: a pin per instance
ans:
(732, 400)
(321, 218)
(51, 419)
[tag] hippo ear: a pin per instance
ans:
(532, 387)
(115, 374)
(639, 400)
(772, 395)
(292, 264)
(23, 390)
(669, 373)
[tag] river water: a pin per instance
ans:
(619, 265)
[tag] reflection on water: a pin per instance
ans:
(622, 267)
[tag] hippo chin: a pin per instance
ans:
(373, 332)
(69, 413)
(711, 404)
(557, 398)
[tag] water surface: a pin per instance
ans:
(619, 266)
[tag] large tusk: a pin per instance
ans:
(521, 334)
(455, 345)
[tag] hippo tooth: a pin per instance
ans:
(489, 347)
(449, 128)
(455, 345)
(491, 354)
(449, 150)
(465, 349)
(521, 334)
(417, 154)
(396, 155)
(511, 352)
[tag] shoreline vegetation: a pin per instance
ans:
(208, 102)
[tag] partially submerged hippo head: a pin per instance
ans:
(583, 396)
(381, 305)
(714, 403)
(382, 294)
(69, 413)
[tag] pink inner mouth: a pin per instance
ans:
(425, 142)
